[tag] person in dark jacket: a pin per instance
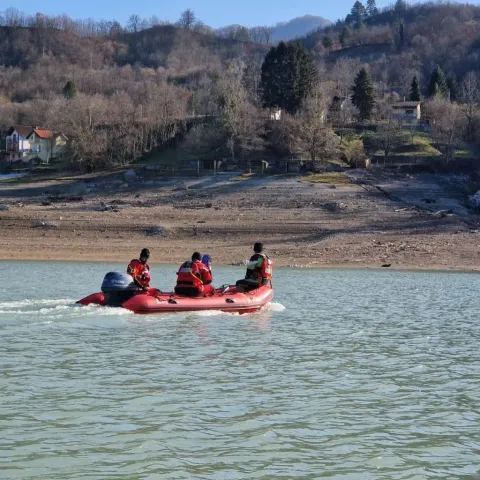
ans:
(259, 270)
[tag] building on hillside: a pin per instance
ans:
(24, 143)
(17, 146)
(46, 144)
(407, 113)
(275, 113)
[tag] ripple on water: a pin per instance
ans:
(380, 382)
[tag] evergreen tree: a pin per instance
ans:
(288, 76)
(363, 94)
(372, 9)
(414, 90)
(343, 35)
(401, 34)
(304, 77)
(70, 90)
(327, 42)
(357, 15)
(438, 83)
(400, 7)
(270, 84)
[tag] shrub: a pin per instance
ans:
(353, 151)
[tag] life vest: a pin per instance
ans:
(140, 272)
(189, 274)
(266, 269)
(262, 273)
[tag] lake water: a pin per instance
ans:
(347, 375)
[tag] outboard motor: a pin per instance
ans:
(118, 287)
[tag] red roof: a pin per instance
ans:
(42, 133)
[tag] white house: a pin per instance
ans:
(46, 144)
(17, 145)
(275, 113)
(408, 113)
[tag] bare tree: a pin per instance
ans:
(203, 98)
(238, 119)
(267, 33)
(284, 136)
(389, 135)
(469, 99)
(154, 21)
(255, 34)
(115, 29)
(202, 139)
(447, 125)
(187, 19)
(316, 137)
(251, 78)
(347, 113)
(104, 27)
(343, 74)
(133, 24)
(13, 18)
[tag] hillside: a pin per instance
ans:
(397, 45)
(23, 47)
(137, 89)
(153, 47)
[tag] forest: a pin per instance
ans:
(121, 92)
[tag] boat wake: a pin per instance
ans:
(56, 308)
(269, 307)
(59, 310)
(273, 307)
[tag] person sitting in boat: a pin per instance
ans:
(194, 278)
(139, 269)
(259, 270)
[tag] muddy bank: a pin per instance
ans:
(368, 223)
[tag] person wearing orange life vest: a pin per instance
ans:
(194, 278)
(259, 270)
(139, 269)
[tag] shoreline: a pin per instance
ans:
(302, 225)
(397, 269)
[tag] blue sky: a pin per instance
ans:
(216, 13)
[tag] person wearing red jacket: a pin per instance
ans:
(194, 278)
(139, 269)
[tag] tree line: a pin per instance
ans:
(14, 18)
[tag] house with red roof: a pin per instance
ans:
(46, 144)
(28, 143)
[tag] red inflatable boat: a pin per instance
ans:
(118, 290)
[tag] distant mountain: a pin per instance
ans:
(298, 27)
(295, 28)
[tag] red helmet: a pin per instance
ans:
(146, 277)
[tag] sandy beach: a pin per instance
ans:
(378, 219)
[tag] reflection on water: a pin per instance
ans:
(374, 375)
